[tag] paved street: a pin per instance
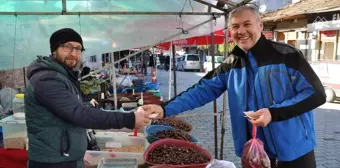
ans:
(327, 119)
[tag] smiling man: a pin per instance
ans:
(271, 79)
(55, 116)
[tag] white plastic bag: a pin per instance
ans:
(221, 164)
(124, 81)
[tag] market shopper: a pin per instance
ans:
(272, 79)
(146, 60)
(55, 117)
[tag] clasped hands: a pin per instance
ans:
(145, 113)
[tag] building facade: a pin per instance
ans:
(312, 26)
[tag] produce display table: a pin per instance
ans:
(19, 158)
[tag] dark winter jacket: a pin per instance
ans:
(56, 118)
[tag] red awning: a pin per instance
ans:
(198, 40)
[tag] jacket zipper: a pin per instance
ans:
(270, 132)
(304, 126)
(276, 153)
(271, 99)
(302, 122)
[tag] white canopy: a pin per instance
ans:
(105, 25)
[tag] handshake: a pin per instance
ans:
(145, 113)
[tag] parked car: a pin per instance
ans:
(208, 63)
(328, 74)
(189, 62)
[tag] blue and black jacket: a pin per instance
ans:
(271, 75)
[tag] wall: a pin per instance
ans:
(94, 65)
(291, 25)
(12, 78)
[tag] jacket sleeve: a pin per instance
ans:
(309, 90)
(209, 88)
(53, 95)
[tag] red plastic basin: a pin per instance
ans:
(177, 143)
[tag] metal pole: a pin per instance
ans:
(64, 6)
(169, 76)
(154, 61)
(114, 83)
(210, 5)
(226, 39)
(239, 4)
(174, 68)
(212, 53)
(120, 59)
(230, 3)
(142, 63)
(146, 48)
(111, 13)
(24, 71)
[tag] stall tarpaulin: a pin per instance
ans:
(198, 40)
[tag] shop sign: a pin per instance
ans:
(323, 21)
(268, 34)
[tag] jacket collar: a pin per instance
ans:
(259, 51)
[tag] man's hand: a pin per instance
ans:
(261, 117)
(153, 111)
(141, 118)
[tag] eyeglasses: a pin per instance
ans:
(70, 48)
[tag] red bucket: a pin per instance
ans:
(177, 143)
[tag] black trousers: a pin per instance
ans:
(305, 161)
(144, 69)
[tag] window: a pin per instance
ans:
(302, 35)
(93, 58)
(327, 49)
(192, 58)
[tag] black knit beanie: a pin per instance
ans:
(62, 36)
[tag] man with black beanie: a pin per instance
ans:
(55, 116)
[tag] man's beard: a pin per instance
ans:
(69, 63)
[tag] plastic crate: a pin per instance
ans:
(153, 129)
(100, 133)
(94, 157)
(118, 163)
(102, 138)
(14, 133)
(177, 143)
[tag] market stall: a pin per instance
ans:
(132, 148)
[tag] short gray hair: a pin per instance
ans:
(237, 11)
